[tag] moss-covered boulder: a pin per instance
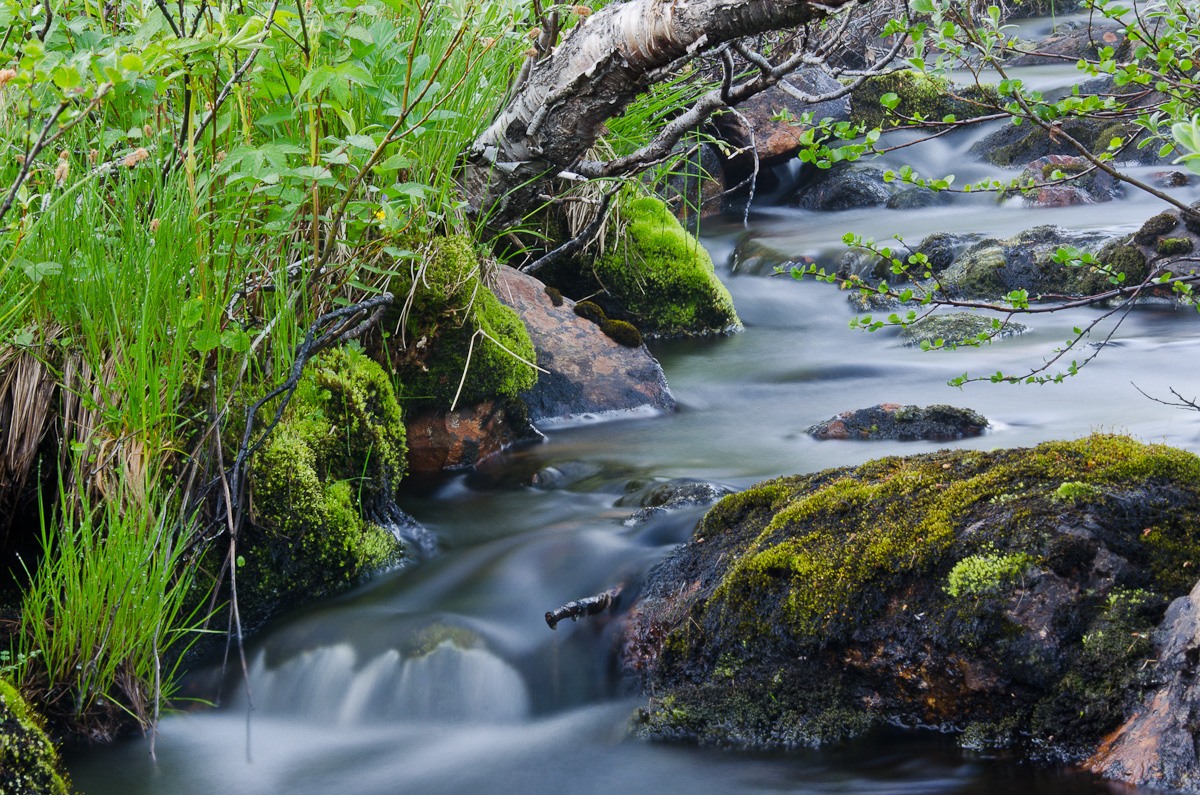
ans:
(958, 328)
(990, 268)
(28, 760)
(446, 321)
(1008, 596)
(921, 97)
(323, 485)
(652, 274)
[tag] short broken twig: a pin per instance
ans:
(585, 607)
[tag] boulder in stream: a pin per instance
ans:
(898, 421)
(958, 328)
(844, 187)
(588, 372)
(1007, 596)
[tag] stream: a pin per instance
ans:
(370, 692)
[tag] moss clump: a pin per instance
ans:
(1155, 228)
(589, 310)
(957, 328)
(1068, 169)
(28, 760)
(622, 333)
(1119, 257)
(454, 323)
(941, 589)
(1174, 246)
(921, 96)
(659, 277)
(556, 296)
(985, 572)
(331, 465)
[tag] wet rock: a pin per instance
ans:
(440, 439)
(672, 495)
(844, 187)
(1085, 186)
(1023, 9)
(1170, 179)
(588, 373)
(28, 759)
(1005, 595)
(1156, 747)
(992, 268)
(956, 328)
(1013, 145)
(897, 421)
(941, 249)
(561, 476)
(772, 120)
(916, 198)
(1073, 42)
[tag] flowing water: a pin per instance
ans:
(444, 678)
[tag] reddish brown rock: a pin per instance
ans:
(1156, 747)
(1080, 183)
(588, 373)
(460, 439)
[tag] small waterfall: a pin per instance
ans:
(449, 684)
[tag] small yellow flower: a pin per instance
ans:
(380, 215)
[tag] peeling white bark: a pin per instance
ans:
(593, 75)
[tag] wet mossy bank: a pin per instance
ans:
(29, 763)
(1008, 596)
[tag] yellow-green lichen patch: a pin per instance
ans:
(28, 760)
(660, 275)
(333, 463)
(446, 321)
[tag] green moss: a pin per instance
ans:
(1155, 228)
(1174, 246)
(986, 572)
(921, 96)
(621, 332)
(659, 276)
(1067, 169)
(956, 328)
(454, 322)
(333, 462)
(1119, 257)
(556, 296)
(28, 760)
(589, 310)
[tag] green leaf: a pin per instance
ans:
(205, 340)
(193, 310)
(132, 63)
(889, 101)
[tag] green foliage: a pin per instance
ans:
(105, 608)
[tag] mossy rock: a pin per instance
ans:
(454, 323)
(957, 328)
(1155, 227)
(29, 762)
(833, 594)
(920, 96)
(991, 268)
(1017, 145)
(322, 484)
(653, 275)
(661, 277)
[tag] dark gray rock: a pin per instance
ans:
(916, 198)
(956, 328)
(844, 187)
(897, 421)
(670, 496)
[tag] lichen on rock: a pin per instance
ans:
(446, 320)
(325, 478)
(28, 760)
(833, 594)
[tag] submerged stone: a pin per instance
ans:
(1008, 596)
(957, 328)
(896, 421)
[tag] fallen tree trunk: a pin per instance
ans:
(604, 63)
